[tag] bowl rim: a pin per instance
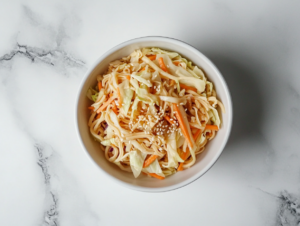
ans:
(228, 111)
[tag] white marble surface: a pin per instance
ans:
(45, 49)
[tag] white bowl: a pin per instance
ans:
(204, 160)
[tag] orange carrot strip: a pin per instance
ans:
(114, 108)
(176, 63)
(128, 77)
(196, 135)
(91, 108)
(182, 86)
(104, 106)
(143, 69)
(98, 116)
(169, 119)
(211, 127)
(149, 160)
(156, 176)
(99, 85)
(119, 96)
(185, 155)
(182, 125)
(162, 64)
(152, 57)
(180, 167)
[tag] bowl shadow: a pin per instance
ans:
(246, 93)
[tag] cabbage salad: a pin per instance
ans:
(153, 112)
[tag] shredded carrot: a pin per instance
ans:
(152, 57)
(156, 176)
(114, 107)
(91, 108)
(149, 160)
(182, 86)
(98, 116)
(143, 69)
(176, 63)
(185, 155)
(128, 77)
(211, 127)
(182, 125)
(162, 64)
(180, 167)
(169, 119)
(196, 135)
(99, 85)
(104, 106)
(145, 173)
(119, 96)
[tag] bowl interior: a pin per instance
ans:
(204, 160)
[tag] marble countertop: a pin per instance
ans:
(45, 49)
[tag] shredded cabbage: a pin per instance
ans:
(172, 67)
(154, 167)
(180, 141)
(173, 156)
(175, 100)
(145, 75)
(214, 116)
(109, 142)
(134, 83)
(193, 82)
(143, 95)
(142, 80)
(210, 87)
(90, 93)
(95, 97)
(156, 77)
(126, 94)
(170, 54)
(137, 159)
(199, 73)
